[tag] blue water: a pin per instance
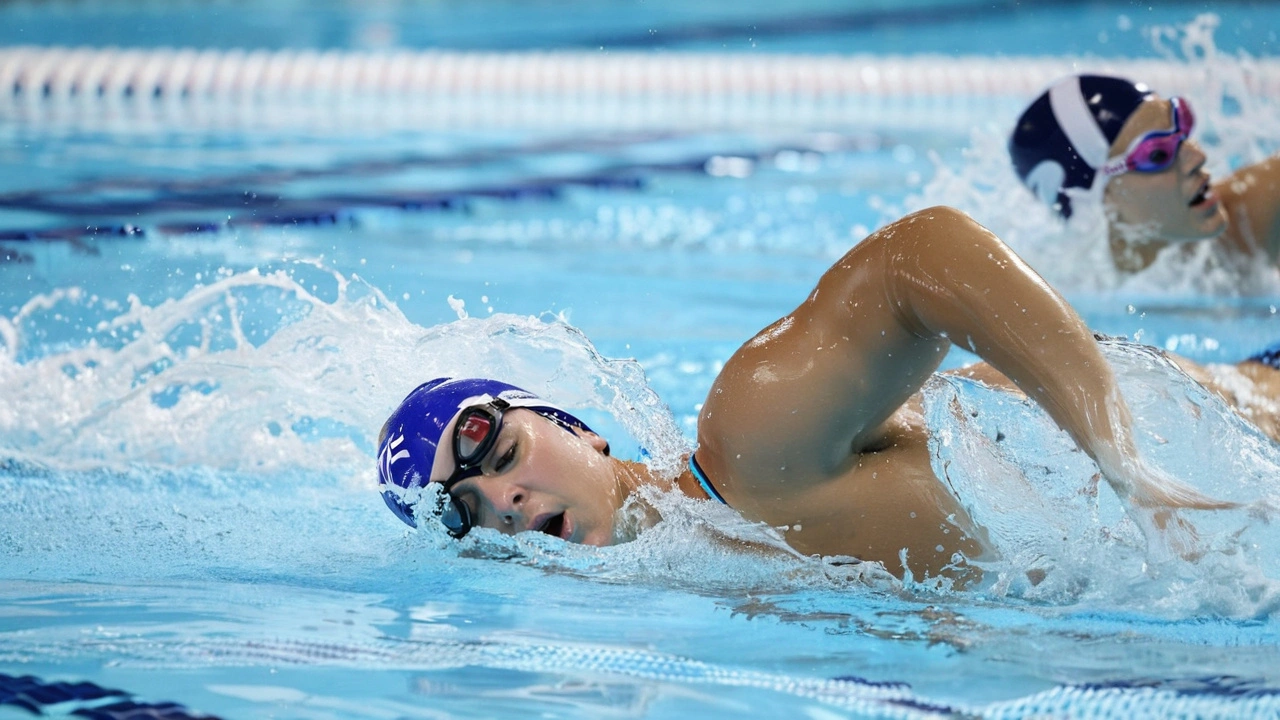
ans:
(1061, 27)
(202, 327)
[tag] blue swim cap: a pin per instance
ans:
(1065, 135)
(407, 448)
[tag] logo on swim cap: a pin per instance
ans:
(1046, 181)
(1071, 125)
(414, 432)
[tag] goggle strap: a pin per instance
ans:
(1120, 165)
(548, 410)
(1113, 167)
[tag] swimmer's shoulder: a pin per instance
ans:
(1250, 196)
(773, 485)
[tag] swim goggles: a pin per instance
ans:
(474, 436)
(1157, 150)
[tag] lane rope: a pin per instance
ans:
(615, 89)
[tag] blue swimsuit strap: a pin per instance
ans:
(707, 487)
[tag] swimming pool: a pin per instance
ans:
(209, 302)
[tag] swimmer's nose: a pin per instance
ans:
(1191, 157)
(508, 503)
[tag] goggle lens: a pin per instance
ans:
(473, 437)
(455, 515)
(1157, 151)
(1155, 155)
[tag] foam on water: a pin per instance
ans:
(1235, 128)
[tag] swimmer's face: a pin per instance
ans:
(539, 477)
(1176, 201)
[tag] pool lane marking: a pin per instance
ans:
(352, 169)
(87, 700)
(865, 21)
(268, 209)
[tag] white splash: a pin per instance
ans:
(255, 372)
(1040, 500)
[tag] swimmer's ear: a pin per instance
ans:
(600, 444)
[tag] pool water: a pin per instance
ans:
(203, 324)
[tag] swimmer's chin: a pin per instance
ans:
(622, 528)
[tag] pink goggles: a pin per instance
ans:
(1157, 150)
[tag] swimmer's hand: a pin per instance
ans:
(1169, 535)
(1143, 486)
(1153, 500)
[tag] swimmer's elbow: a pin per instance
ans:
(939, 234)
(937, 257)
(943, 216)
(942, 213)
(935, 242)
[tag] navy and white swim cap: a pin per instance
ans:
(1065, 135)
(415, 430)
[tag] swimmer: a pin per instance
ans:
(814, 426)
(1118, 142)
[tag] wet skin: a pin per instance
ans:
(814, 426)
(540, 477)
(1182, 204)
(890, 500)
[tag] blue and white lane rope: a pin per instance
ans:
(614, 90)
(1209, 697)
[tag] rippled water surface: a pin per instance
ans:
(191, 386)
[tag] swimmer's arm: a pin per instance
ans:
(820, 386)
(955, 279)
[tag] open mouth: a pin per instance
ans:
(553, 525)
(1200, 196)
